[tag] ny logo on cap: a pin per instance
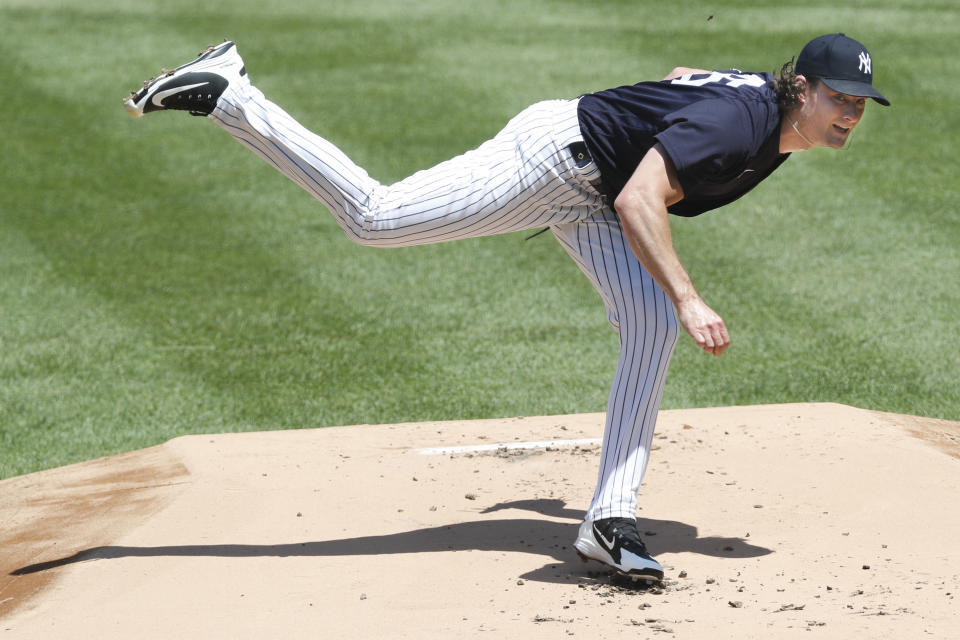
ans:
(864, 62)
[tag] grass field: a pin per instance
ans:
(158, 279)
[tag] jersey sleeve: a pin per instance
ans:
(707, 141)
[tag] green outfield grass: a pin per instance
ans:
(158, 279)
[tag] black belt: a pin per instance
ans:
(580, 153)
(582, 157)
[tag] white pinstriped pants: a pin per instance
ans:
(524, 178)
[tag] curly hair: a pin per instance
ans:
(788, 87)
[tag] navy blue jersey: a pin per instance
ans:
(721, 130)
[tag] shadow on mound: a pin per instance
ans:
(534, 536)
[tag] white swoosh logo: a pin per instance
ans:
(159, 96)
(607, 543)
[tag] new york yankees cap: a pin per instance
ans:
(841, 63)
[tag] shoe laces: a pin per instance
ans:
(197, 103)
(626, 530)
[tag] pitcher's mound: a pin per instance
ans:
(772, 522)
